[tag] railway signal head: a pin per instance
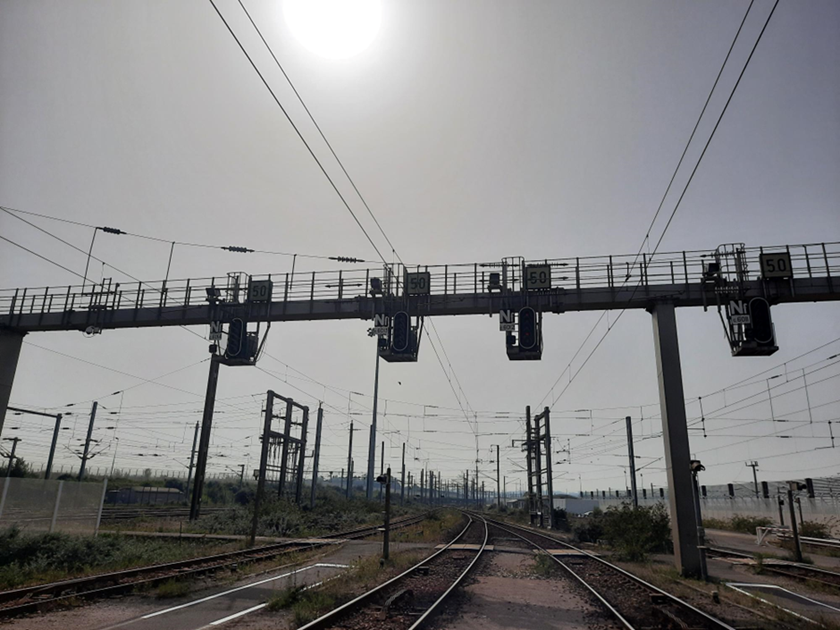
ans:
(402, 341)
(757, 337)
(761, 328)
(527, 345)
(236, 338)
(401, 334)
(528, 333)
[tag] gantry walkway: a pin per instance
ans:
(576, 284)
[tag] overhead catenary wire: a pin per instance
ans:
(676, 206)
(297, 131)
(15, 212)
(343, 168)
(42, 257)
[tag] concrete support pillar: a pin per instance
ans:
(10, 343)
(675, 435)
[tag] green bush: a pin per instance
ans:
(715, 523)
(815, 529)
(747, 524)
(590, 528)
(561, 519)
(19, 469)
(636, 532)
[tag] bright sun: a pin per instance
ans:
(335, 29)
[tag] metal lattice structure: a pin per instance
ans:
(576, 284)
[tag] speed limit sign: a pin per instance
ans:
(537, 277)
(260, 291)
(776, 265)
(418, 283)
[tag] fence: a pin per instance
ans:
(820, 501)
(48, 505)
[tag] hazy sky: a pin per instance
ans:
(475, 130)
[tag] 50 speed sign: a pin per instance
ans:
(537, 277)
(418, 283)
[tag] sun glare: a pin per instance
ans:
(335, 29)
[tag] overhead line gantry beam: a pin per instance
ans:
(729, 277)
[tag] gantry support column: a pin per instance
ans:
(675, 434)
(204, 438)
(10, 342)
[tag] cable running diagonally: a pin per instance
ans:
(298, 132)
(671, 217)
(350, 179)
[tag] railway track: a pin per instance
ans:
(42, 596)
(631, 601)
(411, 599)
(795, 570)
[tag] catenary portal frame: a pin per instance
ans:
(659, 284)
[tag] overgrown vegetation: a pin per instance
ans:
(279, 517)
(19, 469)
(33, 558)
(172, 588)
(815, 529)
(561, 520)
(307, 604)
(437, 526)
(636, 532)
(633, 532)
(589, 529)
(545, 566)
(738, 523)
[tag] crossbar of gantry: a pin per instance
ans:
(578, 284)
(659, 284)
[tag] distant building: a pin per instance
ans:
(574, 505)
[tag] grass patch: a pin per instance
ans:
(306, 604)
(546, 567)
(438, 526)
(36, 558)
(279, 517)
(171, 589)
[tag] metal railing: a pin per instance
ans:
(818, 260)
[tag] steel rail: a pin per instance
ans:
(717, 623)
(433, 608)
(334, 615)
(192, 566)
(817, 572)
(583, 582)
